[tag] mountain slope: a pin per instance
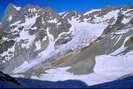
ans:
(94, 47)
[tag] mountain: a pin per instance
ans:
(94, 47)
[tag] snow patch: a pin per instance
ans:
(53, 21)
(91, 11)
(108, 16)
(61, 13)
(24, 35)
(17, 8)
(114, 66)
(122, 48)
(46, 54)
(125, 20)
(123, 31)
(10, 18)
(32, 10)
(61, 74)
(38, 45)
(16, 23)
(107, 68)
(29, 21)
(7, 55)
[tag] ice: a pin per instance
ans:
(61, 74)
(108, 16)
(114, 66)
(107, 68)
(83, 35)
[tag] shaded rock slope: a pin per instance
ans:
(24, 83)
(30, 83)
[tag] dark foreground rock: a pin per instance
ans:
(124, 83)
(9, 82)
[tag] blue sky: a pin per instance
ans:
(63, 5)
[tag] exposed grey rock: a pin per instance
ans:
(58, 26)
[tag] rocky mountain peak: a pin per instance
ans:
(10, 13)
(71, 14)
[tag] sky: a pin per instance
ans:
(65, 5)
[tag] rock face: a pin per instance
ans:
(7, 78)
(35, 40)
(28, 33)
